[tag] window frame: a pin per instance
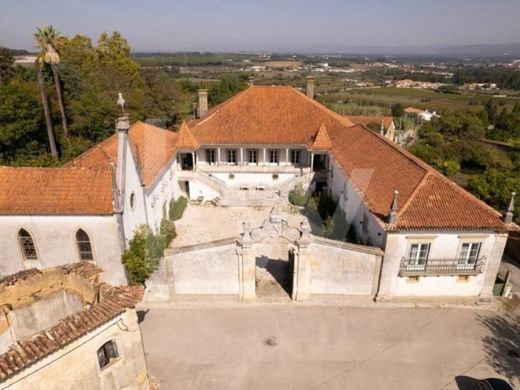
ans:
(252, 153)
(414, 260)
(274, 153)
(211, 158)
(78, 245)
(110, 347)
(465, 260)
(232, 157)
(295, 156)
(26, 258)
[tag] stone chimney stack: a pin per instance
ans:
(508, 217)
(250, 81)
(310, 86)
(122, 127)
(203, 102)
(392, 217)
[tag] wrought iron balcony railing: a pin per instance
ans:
(438, 267)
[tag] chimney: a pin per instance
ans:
(310, 86)
(203, 102)
(382, 130)
(392, 218)
(508, 217)
(250, 81)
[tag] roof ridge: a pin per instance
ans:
(323, 108)
(417, 188)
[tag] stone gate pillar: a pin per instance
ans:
(246, 266)
(302, 265)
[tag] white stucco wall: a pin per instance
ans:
(442, 245)
(350, 202)
(212, 270)
(282, 155)
(55, 241)
(76, 365)
(199, 189)
(254, 179)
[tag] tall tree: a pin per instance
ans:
(46, 109)
(6, 64)
(49, 41)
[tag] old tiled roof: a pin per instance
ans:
(152, 147)
(185, 139)
(321, 141)
(57, 191)
(413, 110)
(427, 200)
(266, 115)
(371, 120)
(25, 352)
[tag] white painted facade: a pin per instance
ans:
(55, 241)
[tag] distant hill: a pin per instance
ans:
(17, 52)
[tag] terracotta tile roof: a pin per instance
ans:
(57, 191)
(413, 110)
(371, 120)
(113, 302)
(186, 139)
(152, 146)
(321, 141)
(427, 200)
(266, 115)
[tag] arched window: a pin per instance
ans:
(27, 245)
(84, 246)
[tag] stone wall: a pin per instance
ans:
(210, 268)
(76, 365)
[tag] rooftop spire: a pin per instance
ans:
(392, 217)
(508, 218)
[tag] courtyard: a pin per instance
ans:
(295, 346)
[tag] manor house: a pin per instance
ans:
(426, 235)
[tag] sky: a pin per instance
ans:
(266, 25)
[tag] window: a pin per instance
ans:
(418, 254)
(107, 353)
(273, 156)
(252, 156)
(232, 157)
(27, 245)
(469, 252)
(210, 156)
(295, 157)
(84, 246)
(132, 201)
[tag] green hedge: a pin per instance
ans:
(177, 208)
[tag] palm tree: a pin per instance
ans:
(46, 109)
(49, 40)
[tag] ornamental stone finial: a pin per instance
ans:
(508, 217)
(121, 103)
(392, 217)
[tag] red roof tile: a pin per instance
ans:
(266, 115)
(321, 141)
(371, 120)
(152, 146)
(185, 139)
(65, 191)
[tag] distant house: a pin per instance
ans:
(424, 115)
(386, 124)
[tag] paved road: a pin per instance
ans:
(290, 346)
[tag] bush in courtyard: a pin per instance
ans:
(327, 229)
(143, 253)
(177, 208)
(298, 196)
(168, 231)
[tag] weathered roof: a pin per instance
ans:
(152, 146)
(27, 351)
(413, 110)
(371, 120)
(58, 191)
(185, 139)
(266, 115)
(427, 200)
(321, 141)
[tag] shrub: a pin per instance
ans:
(177, 208)
(142, 256)
(168, 231)
(298, 196)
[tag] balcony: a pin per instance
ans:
(442, 267)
